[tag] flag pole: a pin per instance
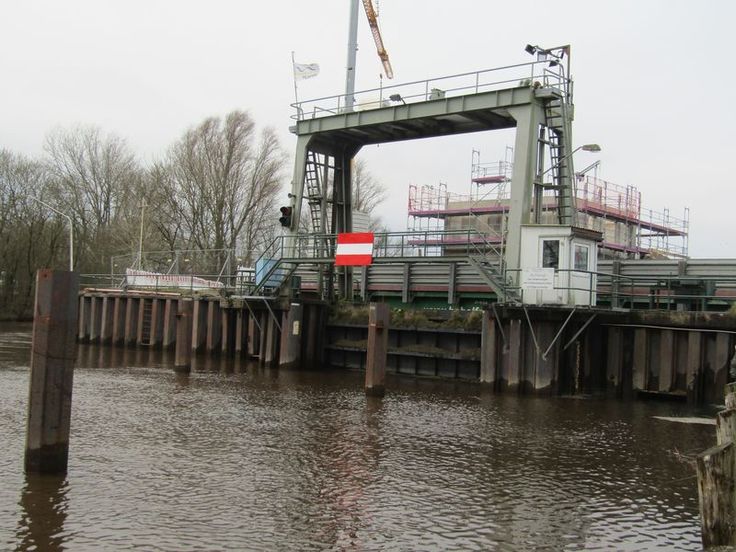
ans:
(293, 75)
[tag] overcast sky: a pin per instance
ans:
(654, 82)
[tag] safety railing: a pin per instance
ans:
(536, 73)
(609, 290)
(669, 292)
(301, 254)
(215, 262)
(181, 283)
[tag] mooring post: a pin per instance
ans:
(53, 351)
(716, 469)
(375, 366)
(183, 355)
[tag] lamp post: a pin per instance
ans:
(593, 148)
(71, 230)
(539, 185)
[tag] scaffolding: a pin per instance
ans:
(629, 230)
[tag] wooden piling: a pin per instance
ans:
(716, 470)
(375, 366)
(53, 352)
(183, 354)
(716, 482)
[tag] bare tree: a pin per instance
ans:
(33, 236)
(368, 193)
(96, 178)
(221, 182)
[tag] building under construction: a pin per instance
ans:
(629, 230)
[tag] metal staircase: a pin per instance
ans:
(314, 191)
(492, 274)
(488, 257)
(559, 122)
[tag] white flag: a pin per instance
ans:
(305, 70)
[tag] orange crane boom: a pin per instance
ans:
(373, 23)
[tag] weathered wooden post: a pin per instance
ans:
(53, 351)
(183, 354)
(716, 469)
(375, 366)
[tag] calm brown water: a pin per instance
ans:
(233, 457)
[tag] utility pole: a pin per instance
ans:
(352, 54)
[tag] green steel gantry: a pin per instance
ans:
(534, 98)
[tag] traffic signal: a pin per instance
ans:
(285, 219)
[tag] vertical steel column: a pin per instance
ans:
(352, 54)
(528, 118)
(342, 213)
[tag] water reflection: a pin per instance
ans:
(44, 505)
(236, 456)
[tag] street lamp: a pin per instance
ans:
(71, 230)
(589, 147)
(594, 148)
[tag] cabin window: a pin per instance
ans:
(551, 254)
(581, 257)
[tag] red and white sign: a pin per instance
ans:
(355, 249)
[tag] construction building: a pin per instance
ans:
(479, 219)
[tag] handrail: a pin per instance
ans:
(423, 90)
(614, 290)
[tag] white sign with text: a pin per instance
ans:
(538, 278)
